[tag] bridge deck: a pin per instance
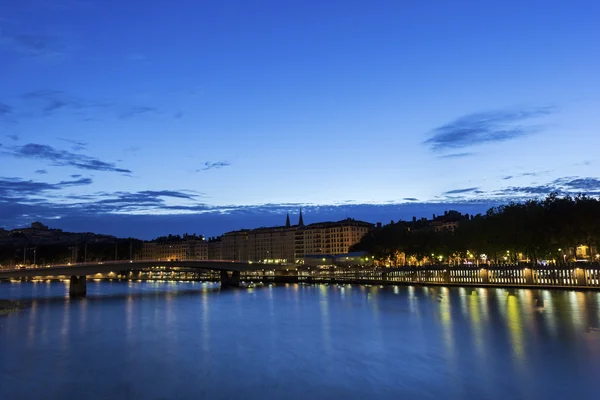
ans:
(115, 266)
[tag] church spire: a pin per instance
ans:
(287, 221)
(301, 220)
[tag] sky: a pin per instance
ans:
(147, 117)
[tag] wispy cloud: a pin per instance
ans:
(18, 188)
(563, 186)
(524, 174)
(582, 185)
(5, 109)
(457, 155)
(485, 127)
(48, 102)
(41, 171)
(76, 145)
(461, 191)
(61, 157)
(13, 137)
(410, 199)
(214, 165)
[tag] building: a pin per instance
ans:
(268, 244)
(171, 248)
(291, 243)
(330, 237)
(215, 246)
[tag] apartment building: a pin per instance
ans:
(291, 243)
(175, 248)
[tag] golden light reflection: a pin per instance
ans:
(205, 321)
(325, 318)
(446, 319)
(576, 305)
(412, 300)
(66, 326)
(476, 325)
(462, 295)
(515, 326)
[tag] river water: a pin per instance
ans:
(131, 340)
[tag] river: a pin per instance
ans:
(183, 340)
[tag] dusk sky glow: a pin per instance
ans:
(152, 117)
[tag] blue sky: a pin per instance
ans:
(149, 117)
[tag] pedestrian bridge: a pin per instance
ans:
(230, 270)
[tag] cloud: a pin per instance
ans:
(76, 145)
(5, 109)
(78, 182)
(461, 191)
(47, 102)
(62, 158)
(508, 177)
(75, 176)
(13, 137)
(563, 186)
(20, 193)
(579, 184)
(485, 127)
(214, 165)
(457, 155)
(178, 115)
(41, 171)
(15, 188)
(410, 199)
(6, 114)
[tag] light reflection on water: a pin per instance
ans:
(192, 340)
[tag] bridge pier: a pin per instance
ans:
(77, 286)
(230, 279)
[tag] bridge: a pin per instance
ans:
(229, 270)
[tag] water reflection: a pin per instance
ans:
(515, 327)
(325, 321)
(296, 341)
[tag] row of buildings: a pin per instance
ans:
(280, 244)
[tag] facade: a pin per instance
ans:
(215, 252)
(175, 248)
(331, 237)
(291, 243)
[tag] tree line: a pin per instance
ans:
(536, 230)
